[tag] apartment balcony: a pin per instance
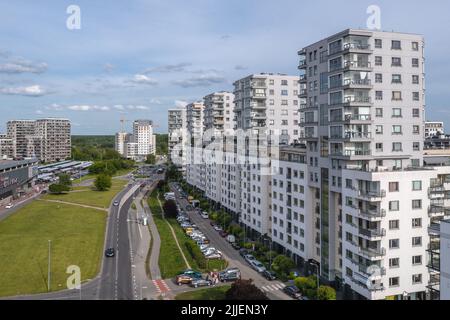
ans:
(351, 154)
(357, 119)
(372, 215)
(372, 234)
(258, 106)
(303, 78)
(434, 228)
(436, 210)
(353, 136)
(258, 116)
(371, 196)
(357, 84)
(357, 66)
(303, 106)
(302, 64)
(303, 93)
(259, 96)
(372, 254)
(355, 101)
(258, 84)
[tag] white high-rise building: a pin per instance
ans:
(177, 136)
(195, 169)
(265, 104)
(144, 138)
(121, 140)
(434, 128)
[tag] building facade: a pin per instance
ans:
(434, 128)
(177, 136)
(16, 178)
(49, 139)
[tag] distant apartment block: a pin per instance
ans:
(177, 136)
(138, 145)
(121, 140)
(49, 140)
(434, 128)
(6, 147)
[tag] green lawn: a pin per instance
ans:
(90, 197)
(170, 259)
(119, 173)
(215, 293)
(77, 236)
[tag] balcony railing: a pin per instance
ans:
(302, 64)
(357, 117)
(303, 77)
(372, 253)
(372, 193)
(357, 135)
(353, 99)
(359, 82)
(372, 214)
(356, 45)
(357, 64)
(372, 233)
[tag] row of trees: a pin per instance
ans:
(310, 288)
(110, 167)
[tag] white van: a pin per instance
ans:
(205, 215)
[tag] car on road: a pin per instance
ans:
(110, 252)
(249, 258)
(236, 246)
(9, 206)
(230, 274)
(190, 272)
(184, 279)
(217, 228)
(258, 266)
(189, 207)
(205, 215)
(269, 275)
(223, 233)
(116, 203)
(243, 252)
(293, 292)
(200, 283)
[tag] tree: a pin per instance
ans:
(283, 264)
(307, 285)
(64, 179)
(58, 188)
(103, 182)
(170, 209)
(151, 159)
(244, 290)
(326, 293)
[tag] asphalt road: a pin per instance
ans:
(232, 255)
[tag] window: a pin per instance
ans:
(394, 205)
(415, 63)
(378, 95)
(394, 224)
(378, 78)
(397, 147)
(394, 282)
(416, 222)
(379, 112)
(379, 129)
(396, 113)
(284, 92)
(416, 113)
(379, 147)
(284, 122)
(415, 79)
(393, 187)
(396, 45)
(396, 95)
(417, 241)
(378, 43)
(378, 61)
(394, 243)
(416, 146)
(416, 260)
(417, 279)
(394, 263)
(416, 96)
(284, 112)
(415, 46)
(416, 129)
(417, 185)
(284, 82)
(396, 62)
(396, 129)
(271, 82)
(396, 78)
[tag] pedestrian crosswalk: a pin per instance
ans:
(273, 287)
(161, 286)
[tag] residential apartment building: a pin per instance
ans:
(363, 120)
(47, 139)
(121, 140)
(6, 147)
(266, 112)
(177, 136)
(434, 128)
(195, 168)
(144, 137)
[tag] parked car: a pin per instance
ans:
(230, 275)
(9, 206)
(243, 252)
(293, 292)
(190, 272)
(110, 252)
(258, 266)
(269, 275)
(236, 246)
(205, 215)
(217, 228)
(203, 246)
(200, 283)
(116, 203)
(214, 256)
(223, 233)
(184, 279)
(249, 258)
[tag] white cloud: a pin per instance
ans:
(30, 91)
(22, 66)
(155, 101)
(88, 108)
(143, 79)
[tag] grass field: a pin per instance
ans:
(170, 259)
(90, 197)
(93, 176)
(216, 293)
(77, 236)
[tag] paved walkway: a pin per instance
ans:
(75, 204)
(155, 272)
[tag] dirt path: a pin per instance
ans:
(75, 204)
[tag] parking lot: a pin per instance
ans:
(217, 239)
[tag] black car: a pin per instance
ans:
(236, 246)
(293, 292)
(269, 275)
(110, 252)
(243, 252)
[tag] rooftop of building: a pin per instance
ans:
(7, 164)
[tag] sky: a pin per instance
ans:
(138, 58)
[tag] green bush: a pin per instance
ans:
(307, 285)
(326, 293)
(196, 254)
(103, 182)
(283, 264)
(58, 188)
